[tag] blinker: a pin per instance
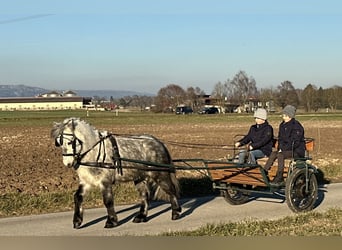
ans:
(59, 141)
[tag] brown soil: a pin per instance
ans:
(30, 162)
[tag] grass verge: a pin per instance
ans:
(327, 223)
(19, 204)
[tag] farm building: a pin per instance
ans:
(49, 101)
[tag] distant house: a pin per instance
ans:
(49, 101)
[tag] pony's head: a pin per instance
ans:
(67, 137)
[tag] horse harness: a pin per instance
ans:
(116, 159)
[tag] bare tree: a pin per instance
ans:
(287, 95)
(309, 97)
(219, 93)
(169, 97)
(194, 97)
(333, 97)
(142, 101)
(241, 88)
(219, 90)
(267, 94)
(267, 97)
(321, 103)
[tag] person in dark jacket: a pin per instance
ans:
(291, 143)
(259, 139)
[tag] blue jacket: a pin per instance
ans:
(260, 137)
(291, 137)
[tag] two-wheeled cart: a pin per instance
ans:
(238, 182)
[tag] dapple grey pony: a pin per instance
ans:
(102, 159)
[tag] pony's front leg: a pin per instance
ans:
(144, 196)
(78, 211)
(108, 200)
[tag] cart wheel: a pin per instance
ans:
(301, 197)
(234, 197)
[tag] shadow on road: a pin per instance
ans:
(279, 196)
(103, 218)
(188, 206)
(320, 196)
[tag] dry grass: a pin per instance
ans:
(327, 223)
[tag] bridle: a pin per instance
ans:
(78, 155)
(60, 140)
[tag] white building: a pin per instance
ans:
(49, 101)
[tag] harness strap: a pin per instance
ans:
(79, 156)
(116, 155)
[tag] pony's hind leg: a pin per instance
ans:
(169, 189)
(144, 193)
(176, 209)
(108, 200)
(78, 210)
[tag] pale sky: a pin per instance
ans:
(146, 45)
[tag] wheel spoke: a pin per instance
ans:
(301, 196)
(234, 196)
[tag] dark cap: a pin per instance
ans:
(290, 111)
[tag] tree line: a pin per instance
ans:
(237, 91)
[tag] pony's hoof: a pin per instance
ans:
(140, 218)
(77, 225)
(175, 216)
(111, 224)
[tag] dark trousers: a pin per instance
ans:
(281, 156)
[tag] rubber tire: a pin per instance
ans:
(234, 197)
(296, 197)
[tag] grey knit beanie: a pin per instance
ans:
(290, 111)
(261, 114)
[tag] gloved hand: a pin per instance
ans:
(237, 144)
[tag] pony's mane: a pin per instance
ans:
(58, 127)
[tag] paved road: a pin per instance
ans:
(197, 212)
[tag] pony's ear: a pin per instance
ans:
(56, 124)
(55, 129)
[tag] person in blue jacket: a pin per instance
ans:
(291, 143)
(259, 139)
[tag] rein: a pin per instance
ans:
(145, 165)
(200, 145)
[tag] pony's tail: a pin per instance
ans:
(160, 193)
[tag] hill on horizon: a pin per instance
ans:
(29, 91)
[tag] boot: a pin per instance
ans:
(278, 180)
(266, 173)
